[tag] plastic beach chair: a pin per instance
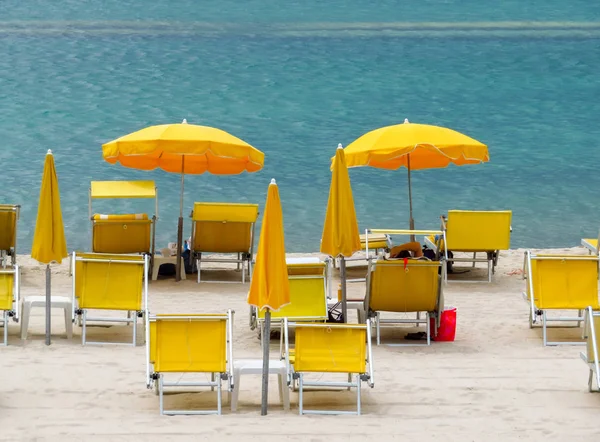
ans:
(404, 286)
(9, 215)
(590, 357)
(9, 297)
(559, 282)
(109, 282)
(329, 348)
(486, 232)
(223, 229)
(184, 344)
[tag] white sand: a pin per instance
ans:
(495, 382)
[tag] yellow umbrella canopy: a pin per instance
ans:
(269, 288)
(414, 146)
(49, 244)
(340, 231)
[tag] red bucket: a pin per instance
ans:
(447, 328)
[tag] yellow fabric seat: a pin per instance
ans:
(109, 282)
(559, 282)
(196, 343)
(329, 348)
(125, 233)
(404, 286)
(9, 215)
(9, 296)
(224, 228)
(474, 232)
(592, 356)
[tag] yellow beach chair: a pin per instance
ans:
(590, 357)
(9, 296)
(329, 348)
(373, 245)
(9, 215)
(474, 232)
(186, 344)
(559, 282)
(109, 282)
(223, 228)
(405, 286)
(123, 233)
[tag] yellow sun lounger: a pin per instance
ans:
(474, 232)
(123, 233)
(9, 215)
(405, 286)
(559, 282)
(109, 282)
(9, 296)
(224, 228)
(186, 344)
(590, 357)
(329, 348)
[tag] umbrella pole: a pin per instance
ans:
(343, 283)
(266, 335)
(180, 226)
(411, 221)
(48, 304)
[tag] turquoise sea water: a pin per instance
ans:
(295, 79)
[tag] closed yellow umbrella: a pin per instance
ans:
(340, 231)
(269, 288)
(414, 146)
(186, 149)
(49, 244)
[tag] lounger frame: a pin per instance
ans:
(155, 379)
(16, 301)
(131, 315)
(593, 336)
(353, 381)
(11, 251)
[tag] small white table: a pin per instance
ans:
(255, 366)
(160, 260)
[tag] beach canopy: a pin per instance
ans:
(414, 146)
(269, 288)
(186, 149)
(49, 244)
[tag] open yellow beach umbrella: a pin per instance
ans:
(270, 288)
(414, 146)
(186, 149)
(49, 244)
(340, 231)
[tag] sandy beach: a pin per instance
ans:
(494, 382)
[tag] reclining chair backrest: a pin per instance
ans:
(7, 285)
(478, 230)
(223, 227)
(330, 348)
(394, 286)
(563, 282)
(9, 215)
(189, 343)
(308, 296)
(110, 282)
(130, 233)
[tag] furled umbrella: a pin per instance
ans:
(49, 244)
(414, 146)
(269, 289)
(340, 232)
(185, 149)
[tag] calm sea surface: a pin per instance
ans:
(296, 78)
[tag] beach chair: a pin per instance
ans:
(559, 282)
(123, 233)
(9, 297)
(329, 348)
(109, 282)
(308, 278)
(9, 215)
(223, 229)
(405, 286)
(374, 246)
(590, 357)
(474, 232)
(185, 344)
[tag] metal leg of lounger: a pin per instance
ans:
(212, 379)
(5, 325)
(580, 313)
(428, 329)
(545, 326)
(349, 380)
(357, 394)
(243, 270)
(544, 332)
(160, 394)
(474, 258)
(590, 381)
(198, 268)
(300, 395)
(418, 317)
(238, 261)
(377, 327)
